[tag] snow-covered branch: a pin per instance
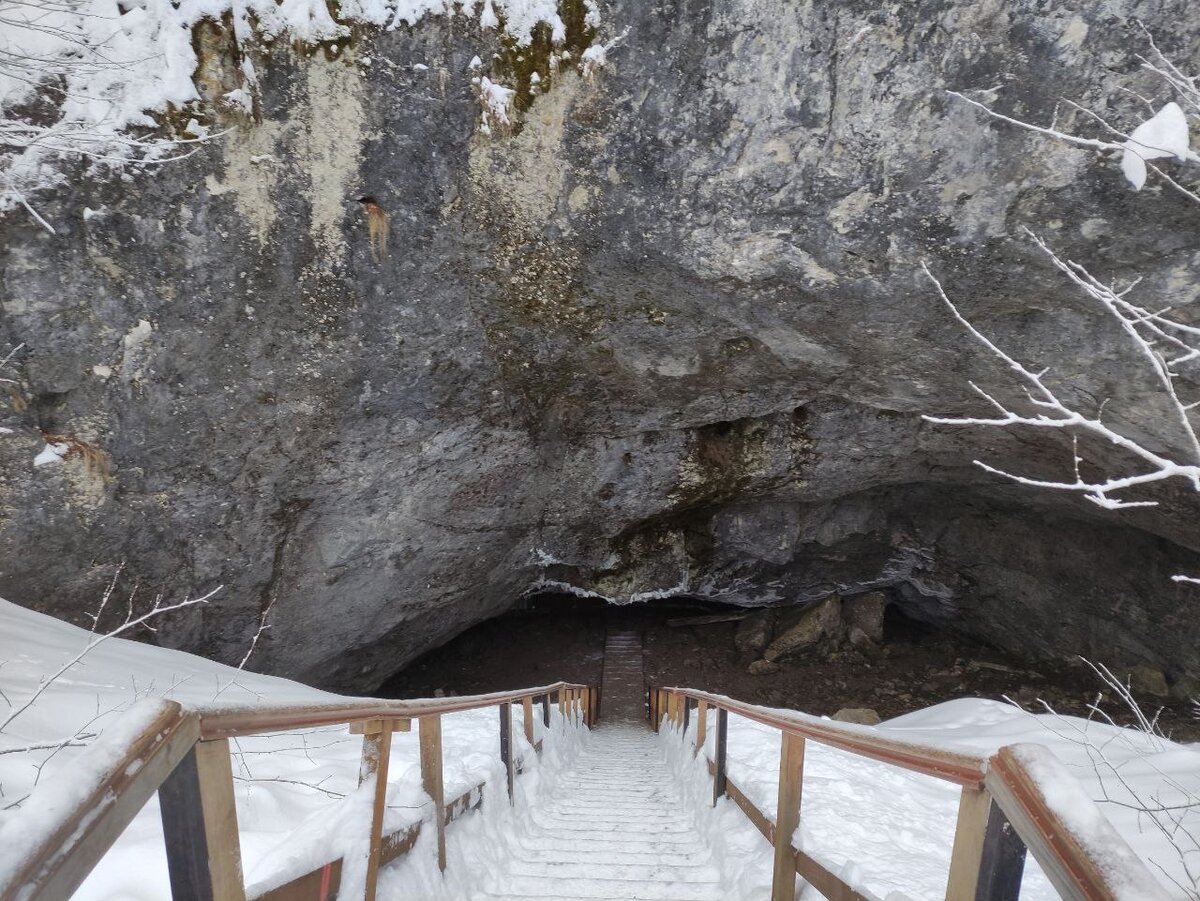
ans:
(1046, 408)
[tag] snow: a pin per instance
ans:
(297, 793)
(51, 453)
(895, 827)
(1163, 135)
(121, 60)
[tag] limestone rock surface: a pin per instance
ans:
(667, 335)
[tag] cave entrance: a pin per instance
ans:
(690, 641)
(550, 636)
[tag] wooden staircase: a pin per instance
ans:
(623, 682)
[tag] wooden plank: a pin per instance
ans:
(321, 884)
(506, 754)
(370, 727)
(546, 710)
(705, 620)
(376, 752)
(829, 884)
(527, 717)
(64, 856)
(720, 780)
(701, 724)
(200, 827)
(973, 807)
(562, 703)
(753, 814)
(431, 777)
(787, 817)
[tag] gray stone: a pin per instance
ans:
(668, 335)
(763, 668)
(1147, 680)
(865, 613)
(815, 625)
(754, 633)
(862, 642)
(863, 716)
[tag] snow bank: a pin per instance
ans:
(895, 828)
(297, 792)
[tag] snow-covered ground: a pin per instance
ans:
(886, 830)
(295, 791)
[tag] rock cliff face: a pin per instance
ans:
(665, 334)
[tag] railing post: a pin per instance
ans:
(376, 751)
(200, 827)
(506, 754)
(719, 754)
(431, 777)
(701, 724)
(988, 859)
(787, 817)
(527, 715)
(562, 704)
(546, 710)
(687, 711)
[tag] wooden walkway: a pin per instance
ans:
(623, 684)
(616, 830)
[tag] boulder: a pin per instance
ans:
(861, 642)
(754, 633)
(1146, 680)
(865, 612)
(763, 668)
(815, 625)
(863, 716)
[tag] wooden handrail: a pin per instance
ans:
(1003, 811)
(235, 722)
(164, 736)
(960, 767)
(1079, 867)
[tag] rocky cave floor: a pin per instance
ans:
(912, 667)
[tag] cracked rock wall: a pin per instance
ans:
(665, 335)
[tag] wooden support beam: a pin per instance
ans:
(562, 703)
(973, 807)
(200, 828)
(701, 725)
(546, 710)
(687, 711)
(506, 754)
(787, 817)
(527, 714)
(719, 778)
(1002, 862)
(431, 777)
(373, 766)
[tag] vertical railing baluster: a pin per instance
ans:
(376, 751)
(506, 754)
(719, 754)
(988, 858)
(546, 710)
(787, 816)
(687, 711)
(200, 827)
(527, 717)
(431, 777)
(701, 724)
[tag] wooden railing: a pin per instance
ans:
(184, 755)
(1002, 811)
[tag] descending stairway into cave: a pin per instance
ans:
(616, 830)
(623, 684)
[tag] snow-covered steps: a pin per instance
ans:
(616, 829)
(623, 687)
